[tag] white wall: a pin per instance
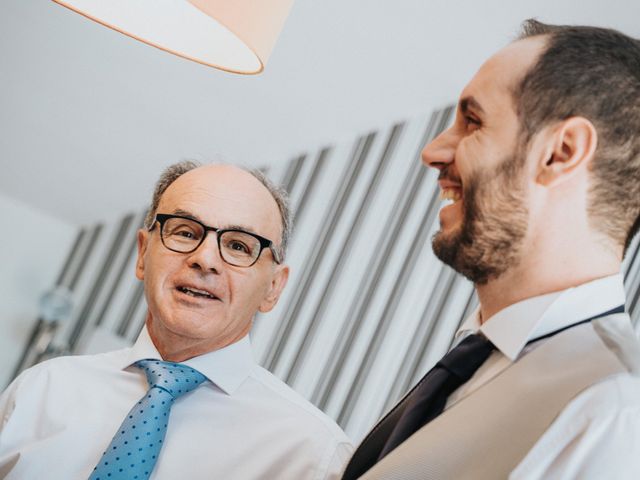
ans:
(82, 105)
(33, 247)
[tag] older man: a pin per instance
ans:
(542, 168)
(187, 400)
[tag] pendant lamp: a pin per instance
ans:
(233, 35)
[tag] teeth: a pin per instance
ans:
(194, 292)
(450, 194)
(201, 292)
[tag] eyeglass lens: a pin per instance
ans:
(184, 235)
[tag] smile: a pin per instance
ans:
(197, 293)
(453, 194)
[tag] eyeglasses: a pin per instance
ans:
(237, 247)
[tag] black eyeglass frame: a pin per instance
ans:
(161, 218)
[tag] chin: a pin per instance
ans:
(447, 238)
(194, 329)
(181, 324)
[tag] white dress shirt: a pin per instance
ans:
(597, 435)
(59, 416)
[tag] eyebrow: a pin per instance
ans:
(470, 103)
(186, 213)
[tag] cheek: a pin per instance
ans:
(247, 291)
(159, 270)
(156, 298)
(469, 152)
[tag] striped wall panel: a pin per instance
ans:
(368, 308)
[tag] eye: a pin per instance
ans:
(237, 246)
(471, 122)
(182, 231)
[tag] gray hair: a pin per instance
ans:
(279, 194)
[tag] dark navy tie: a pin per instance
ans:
(430, 395)
(135, 447)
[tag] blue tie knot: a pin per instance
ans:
(175, 378)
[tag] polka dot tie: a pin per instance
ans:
(135, 447)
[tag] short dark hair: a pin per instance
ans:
(173, 172)
(594, 73)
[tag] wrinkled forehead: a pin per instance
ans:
(224, 196)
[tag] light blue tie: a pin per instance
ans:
(135, 447)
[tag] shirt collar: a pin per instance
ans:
(227, 367)
(512, 327)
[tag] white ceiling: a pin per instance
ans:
(88, 117)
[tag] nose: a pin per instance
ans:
(206, 257)
(440, 152)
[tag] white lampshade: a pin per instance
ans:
(233, 35)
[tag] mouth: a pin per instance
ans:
(196, 292)
(452, 211)
(451, 194)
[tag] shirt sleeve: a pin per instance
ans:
(8, 455)
(337, 461)
(7, 404)
(596, 436)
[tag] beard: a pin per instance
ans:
(489, 241)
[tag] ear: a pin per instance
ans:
(143, 241)
(573, 143)
(278, 282)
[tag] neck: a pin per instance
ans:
(541, 274)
